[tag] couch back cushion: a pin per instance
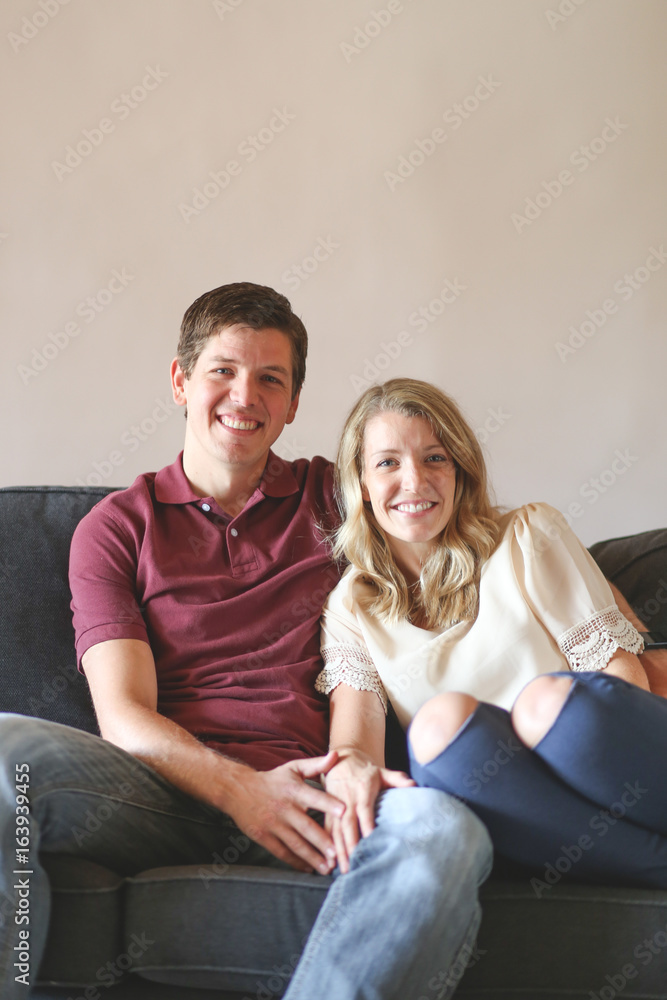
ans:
(637, 565)
(38, 674)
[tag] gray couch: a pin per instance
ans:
(164, 933)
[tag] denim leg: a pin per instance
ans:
(90, 799)
(400, 923)
(534, 817)
(610, 743)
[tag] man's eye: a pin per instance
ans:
(272, 378)
(222, 371)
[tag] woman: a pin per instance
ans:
(498, 642)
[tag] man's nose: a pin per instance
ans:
(243, 390)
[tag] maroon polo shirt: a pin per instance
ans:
(230, 606)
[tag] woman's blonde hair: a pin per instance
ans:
(448, 585)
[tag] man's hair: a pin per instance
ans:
(256, 306)
(448, 586)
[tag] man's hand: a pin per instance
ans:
(357, 782)
(271, 808)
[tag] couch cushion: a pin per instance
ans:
(574, 941)
(252, 924)
(85, 928)
(37, 660)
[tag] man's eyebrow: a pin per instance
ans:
(218, 360)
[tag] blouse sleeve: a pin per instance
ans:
(345, 654)
(567, 591)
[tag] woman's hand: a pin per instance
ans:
(356, 781)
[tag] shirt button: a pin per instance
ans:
(206, 506)
(234, 532)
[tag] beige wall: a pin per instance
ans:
(385, 191)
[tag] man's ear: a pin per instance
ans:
(178, 381)
(294, 405)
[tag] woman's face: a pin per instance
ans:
(410, 480)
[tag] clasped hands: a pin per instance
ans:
(272, 807)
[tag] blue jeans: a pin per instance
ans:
(588, 802)
(394, 927)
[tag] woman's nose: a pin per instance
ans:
(413, 476)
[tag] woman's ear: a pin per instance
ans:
(365, 495)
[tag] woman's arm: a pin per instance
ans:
(653, 662)
(628, 667)
(357, 734)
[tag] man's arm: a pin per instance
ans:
(269, 806)
(653, 661)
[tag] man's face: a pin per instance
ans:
(239, 397)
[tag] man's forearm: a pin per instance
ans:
(271, 807)
(177, 755)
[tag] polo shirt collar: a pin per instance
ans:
(172, 486)
(278, 479)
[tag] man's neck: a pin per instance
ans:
(230, 486)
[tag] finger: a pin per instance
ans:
(287, 820)
(276, 847)
(366, 814)
(306, 838)
(396, 779)
(333, 826)
(350, 827)
(341, 849)
(312, 767)
(308, 797)
(310, 831)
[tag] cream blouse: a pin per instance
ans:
(544, 606)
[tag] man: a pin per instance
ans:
(196, 598)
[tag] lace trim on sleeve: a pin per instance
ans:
(351, 665)
(591, 644)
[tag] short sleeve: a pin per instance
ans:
(102, 576)
(567, 591)
(345, 654)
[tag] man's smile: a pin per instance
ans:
(239, 423)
